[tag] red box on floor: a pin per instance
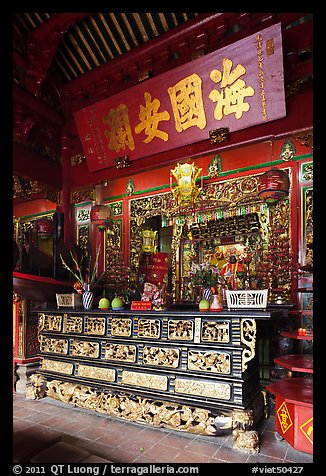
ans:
(294, 423)
(294, 411)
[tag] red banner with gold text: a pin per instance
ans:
(236, 87)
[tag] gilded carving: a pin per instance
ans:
(221, 391)
(113, 242)
(233, 192)
(121, 327)
(84, 348)
(77, 159)
(158, 413)
(48, 322)
(73, 324)
(308, 226)
(218, 362)
(120, 352)
(83, 236)
(35, 387)
(279, 264)
(306, 138)
(140, 379)
(246, 441)
(165, 357)
(82, 195)
(248, 337)
(287, 151)
(180, 329)
(307, 172)
(95, 325)
(57, 366)
(117, 207)
(149, 328)
(229, 194)
(98, 373)
(57, 346)
(83, 215)
(215, 331)
(122, 162)
(217, 136)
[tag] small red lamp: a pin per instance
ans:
(101, 216)
(273, 186)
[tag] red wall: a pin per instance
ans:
(33, 207)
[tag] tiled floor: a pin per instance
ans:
(47, 431)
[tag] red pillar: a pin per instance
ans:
(66, 188)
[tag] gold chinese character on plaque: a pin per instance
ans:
(150, 117)
(187, 103)
(231, 99)
(119, 133)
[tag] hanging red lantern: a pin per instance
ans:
(273, 186)
(45, 228)
(101, 216)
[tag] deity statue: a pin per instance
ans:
(233, 272)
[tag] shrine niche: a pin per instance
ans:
(229, 218)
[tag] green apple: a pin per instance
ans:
(104, 303)
(117, 303)
(204, 305)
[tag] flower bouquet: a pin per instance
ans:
(206, 275)
(83, 283)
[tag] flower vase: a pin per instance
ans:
(217, 303)
(88, 298)
(207, 293)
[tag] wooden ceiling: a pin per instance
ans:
(99, 37)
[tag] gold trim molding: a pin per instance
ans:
(248, 337)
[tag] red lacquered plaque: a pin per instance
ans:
(141, 305)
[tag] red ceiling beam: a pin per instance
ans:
(208, 32)
(35, 105)
(136, 54)
(203, 22)
(42, 44)
(60, 23)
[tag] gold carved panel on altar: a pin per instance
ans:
(221, 391)
(48, 322)
(161, 356)
(180, 329)
(159, 413)
(57, 346)
(121, 327)
(73, 324)
(215, 331)
(84, 348)
(98, 373)
(140, 379)
(216, 362)
(95, 325)
(120, 352)
(56, 366)
(149, 328)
